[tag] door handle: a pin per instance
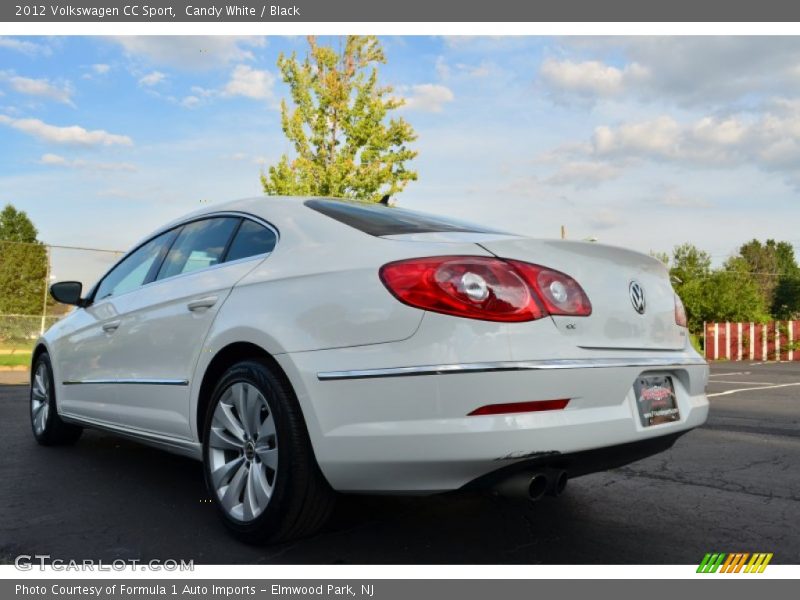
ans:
(111, 326)
(202, 303)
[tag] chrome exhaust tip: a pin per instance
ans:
(529, 486)
(557, 482)
(537, 487)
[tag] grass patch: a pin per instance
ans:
(14, 360)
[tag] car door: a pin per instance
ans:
(84, 351)
(162, 325)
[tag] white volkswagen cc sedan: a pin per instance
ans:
(301, 346)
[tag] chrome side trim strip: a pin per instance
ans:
(175, 445)
(527, 365)
(126, 382)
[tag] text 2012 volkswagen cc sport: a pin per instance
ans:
(300, 347)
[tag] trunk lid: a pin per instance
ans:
(606, 274)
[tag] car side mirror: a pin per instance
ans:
(67, 292)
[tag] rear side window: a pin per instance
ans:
(252, 239)
(380, 220)
(199, 245)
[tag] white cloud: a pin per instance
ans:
(244, 81)
(24, 46)
(250, 83)
(97, 70)
(190, 102)
(591, 77)
(768, 140)
(603, 219)
(55, 160)
(708, 141)
(41, 88)
(583, 174)
(693, 71)
(74, 135)
(244, 156)
(152, 78)
(672, 198)
(191, 51)
(428, 97)
(446, 70)
(659, 137)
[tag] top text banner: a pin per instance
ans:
(403, 11)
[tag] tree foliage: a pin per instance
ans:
(774, 268)
(690, 270)
(727, 294)
(344, 146)
(23, 264)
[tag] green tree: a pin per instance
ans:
(774, 268)
(762, 262)
(23, 264)
(727, 294)
(734, 294)
(691, 268)
(343, 145)
(662, 256)
(786, 297)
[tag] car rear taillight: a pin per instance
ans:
(560, 293)
(490, 289)
(680, 312)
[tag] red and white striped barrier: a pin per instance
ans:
(753, 341)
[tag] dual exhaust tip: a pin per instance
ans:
(534, 485)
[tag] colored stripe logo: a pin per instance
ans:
(737, 562)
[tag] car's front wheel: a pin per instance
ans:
(259, 465)
(48, 428)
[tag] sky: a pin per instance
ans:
(644, 142)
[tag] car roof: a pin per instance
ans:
(265, 207)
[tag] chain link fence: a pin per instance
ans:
(26, 272)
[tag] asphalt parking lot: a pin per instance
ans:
(732, 485)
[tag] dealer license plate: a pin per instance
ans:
(655, 399)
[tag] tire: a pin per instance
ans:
(258, 462)
(47, 426)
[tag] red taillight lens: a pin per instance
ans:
(467, 286)
(560, 293)
(680, 312)
(485, 288)
(519, 407)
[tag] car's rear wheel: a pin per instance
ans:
(259, 465)
(48, 428)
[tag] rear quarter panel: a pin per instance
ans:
(311, 296)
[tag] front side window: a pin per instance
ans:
(133, 271)
(199, 245)
(252, 239)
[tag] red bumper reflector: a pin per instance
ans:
(519, 407)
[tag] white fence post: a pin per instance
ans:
(728, 340)
(738, 341)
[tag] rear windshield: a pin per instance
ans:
(380, 220)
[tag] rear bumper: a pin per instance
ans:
(407, 429)
(577, 464)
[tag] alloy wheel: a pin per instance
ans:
(40, 398)
(243, 451)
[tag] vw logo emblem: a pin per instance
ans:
(636, 293)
